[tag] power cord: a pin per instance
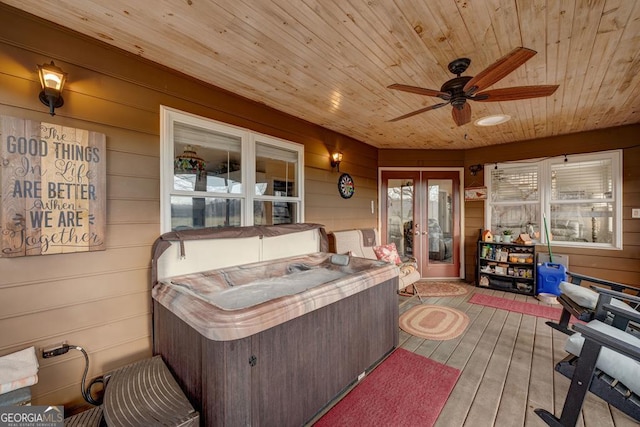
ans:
(86, 391)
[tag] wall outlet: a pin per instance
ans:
(635, 213)
(55, 350)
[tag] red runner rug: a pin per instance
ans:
(405, 390)
(537, 310)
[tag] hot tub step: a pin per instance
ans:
(145, 393)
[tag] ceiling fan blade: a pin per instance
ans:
(515, 93)
(420, 91)
(499, 69)
(422, 110)
(461, 115)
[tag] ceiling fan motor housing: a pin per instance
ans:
(454, 87)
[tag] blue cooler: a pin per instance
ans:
(549, 277)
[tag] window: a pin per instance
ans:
(514, 201)
(218, 175)
(575, 201)
(276, 193)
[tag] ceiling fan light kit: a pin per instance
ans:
(461, 89)
(492, 120)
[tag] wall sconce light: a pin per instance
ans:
(52, 79)
(336, 158)
(474, 169)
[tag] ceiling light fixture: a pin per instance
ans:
(493, 120)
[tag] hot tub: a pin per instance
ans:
(273, 342)
(236, 302)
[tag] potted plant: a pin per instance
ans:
(506, 236)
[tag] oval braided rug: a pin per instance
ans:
(427, 288)
(434, 322)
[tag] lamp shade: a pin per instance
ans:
(52, 78)
(189, 161)
(336, 158)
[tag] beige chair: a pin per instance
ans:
(360, 243)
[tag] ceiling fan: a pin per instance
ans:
(460, 89)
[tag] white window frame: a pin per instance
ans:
(169, 116)
(544, 190)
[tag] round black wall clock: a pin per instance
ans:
(346, 187)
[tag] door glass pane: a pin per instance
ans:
(400, 194)
(440, 221)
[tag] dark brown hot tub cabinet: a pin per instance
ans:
(284, 375)
(276, 362)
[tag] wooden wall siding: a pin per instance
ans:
(474, 221)
(421, 158)
(618, 265)
(323, 203)
(101, 300)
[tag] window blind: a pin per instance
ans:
(582, 180)
(514, 184)
(277, 153)
(193, 135)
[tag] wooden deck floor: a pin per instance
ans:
(507, 362)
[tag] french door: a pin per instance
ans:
(421, 215)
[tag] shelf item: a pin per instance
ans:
(507, 267)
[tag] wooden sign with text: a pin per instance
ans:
(53, 181)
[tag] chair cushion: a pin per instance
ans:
(621, 367)
(582, 296)
(349, 241)
(388, 253)
(588, 298)
(407, 268)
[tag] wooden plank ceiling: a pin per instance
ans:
(330, 61)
